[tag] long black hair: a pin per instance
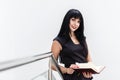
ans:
(65, 30)
(79, 33)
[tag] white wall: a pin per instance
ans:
(27, 27)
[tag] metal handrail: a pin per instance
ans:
(57, 66)
(23, 61)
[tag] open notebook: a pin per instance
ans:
(89, 67)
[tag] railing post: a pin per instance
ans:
(50, 70)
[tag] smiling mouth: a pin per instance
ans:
(73, 27)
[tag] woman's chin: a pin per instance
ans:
(73, 30)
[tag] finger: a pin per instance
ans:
(84, 74)
(70, 71)
(72, 66)
(89, 74)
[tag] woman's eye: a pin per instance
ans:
(73, 19)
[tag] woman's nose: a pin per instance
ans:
(76, 24)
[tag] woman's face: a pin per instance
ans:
(74, 24)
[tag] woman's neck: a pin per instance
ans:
(72, 34)
(73, 38)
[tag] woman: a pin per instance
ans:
(70, 46)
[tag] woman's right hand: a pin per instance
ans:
(74, 66)
(69, 70)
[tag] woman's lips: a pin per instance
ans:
(73, 27)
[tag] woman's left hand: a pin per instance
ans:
(87, 74)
